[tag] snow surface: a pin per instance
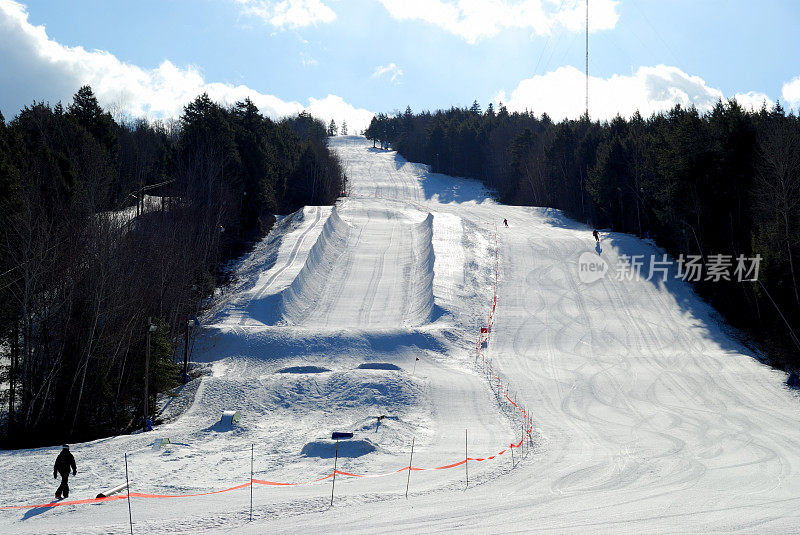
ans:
(121, 218)
(648, 416)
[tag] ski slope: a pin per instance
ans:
(649, 417)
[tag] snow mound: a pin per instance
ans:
(421, 283)
(379, 366)
(373, 270)
(326, 449)
(304, 369)
(302, 293)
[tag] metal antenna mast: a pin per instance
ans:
(587, 59)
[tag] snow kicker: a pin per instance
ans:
(420, 309)
(375, 271)
(302, 294)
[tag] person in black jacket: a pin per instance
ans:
(64, 462)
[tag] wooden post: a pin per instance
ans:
(335, 463)
(252, 454)
(466, 457)
(127, 486)
(408, 479)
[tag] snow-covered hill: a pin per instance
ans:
(647, 416)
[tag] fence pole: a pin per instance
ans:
(512, 455)
(408, 479)
(530, 435)
(466, 457)
(128, 487)
(335, 462)
(252, 454)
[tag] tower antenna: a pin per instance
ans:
(587, 59)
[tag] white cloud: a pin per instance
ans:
(477, 19)
(288, 13)
(392, 70)
(572, 15)
(307, 60)
(561, 93)
(334, 107)
(791, 92)
(36, 66)
(753, 100)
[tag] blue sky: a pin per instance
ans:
(645, 54)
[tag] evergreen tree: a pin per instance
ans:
(701, 183)
(371, 132)
(475, 109)
(78, 283)
(606, 181)
(87, 112)
(503, 113)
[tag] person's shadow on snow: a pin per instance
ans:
(597, 248)
(30, 513)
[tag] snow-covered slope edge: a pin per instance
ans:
(302, 293)
(421, 301)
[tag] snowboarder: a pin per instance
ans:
(64, 462)
(505, 222)
(596, 235)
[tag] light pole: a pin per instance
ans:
(189, 324)
(151, 328)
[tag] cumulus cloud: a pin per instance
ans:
(477, 19)
(791, 92)
(391, 70)
(602, 15)
(288, 13)
(561, 93)
(36, 66)
(753, 100)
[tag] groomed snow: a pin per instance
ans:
(648, 416)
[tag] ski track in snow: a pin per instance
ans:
(289, 261)
(649, 417)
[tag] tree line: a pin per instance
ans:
(82, 276)
(726, 181)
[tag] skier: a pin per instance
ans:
(505, 222)
(596, 235)
(64, 462)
